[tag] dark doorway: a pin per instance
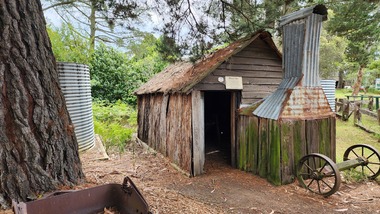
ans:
(217, 128)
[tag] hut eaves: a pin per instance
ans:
(182, 76)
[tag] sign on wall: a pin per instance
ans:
(234, 82)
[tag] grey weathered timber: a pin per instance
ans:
(258, 65)
(198, 132)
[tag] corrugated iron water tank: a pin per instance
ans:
(328, 87)
(75, 84)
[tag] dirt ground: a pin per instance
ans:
(222, 189)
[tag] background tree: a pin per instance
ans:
(358, 21)
(198, 25)
(108, 21)
(116, 75)
(332, 57)
(69, 46)
(38, 148)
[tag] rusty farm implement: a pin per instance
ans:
(319, 174)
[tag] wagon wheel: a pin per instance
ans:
(319, 174)
(371, 164)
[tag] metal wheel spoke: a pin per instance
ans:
(310, 182)
(355, 153)
(319, 186)
(371, 155)
(305, 174)
(320, 170)
(370, 170)
(329, 175)
(362, 169)
(308, 166)
(362, 151)
(326, 184)
(373, 163)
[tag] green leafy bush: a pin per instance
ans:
(115, 123)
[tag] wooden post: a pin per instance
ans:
(370, 103)
(198, 132)
(346, 110)
(357, 114)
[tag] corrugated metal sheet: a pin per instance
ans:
(328, 87)
(301, 14)
(272, 105)
(181, 77)
(74, 80)
(310, 60)
(306, 103)
(301, 32)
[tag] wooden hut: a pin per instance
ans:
(189, 106)
(296, 119)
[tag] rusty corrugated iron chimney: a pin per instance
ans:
(300, 95)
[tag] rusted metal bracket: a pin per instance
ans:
(123, 198)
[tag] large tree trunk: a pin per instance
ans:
(340, 81)
(358, 82)
(38, 149)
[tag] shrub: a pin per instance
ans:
(115, 123)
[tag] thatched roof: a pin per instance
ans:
(182, 76)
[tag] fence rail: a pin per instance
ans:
(345, 108)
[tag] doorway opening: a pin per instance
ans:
(217, 115)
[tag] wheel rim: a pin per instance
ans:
(371, 168)
(319, 174)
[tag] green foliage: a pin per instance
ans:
(68, 45)
(116, 75)
(332, 58)
(353, 175)
(357, 20)
(109, 74)
(115, 123)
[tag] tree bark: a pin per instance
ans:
(358, 82)
(38, 148)
(340, 81)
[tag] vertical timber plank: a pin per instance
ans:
(250, 144)
(263, 148)
(162, 128)
(324, 136)
(140, 116)
(299, 142)
(274, 153)
(333, 138)
(253, 144)
(312, 136)
(287, 151)
(186, 130)
(233, 129)
(242, 160)
(197, 102)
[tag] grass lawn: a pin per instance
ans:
(347, 134)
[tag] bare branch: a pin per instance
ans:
(237, 10)
(58, 4)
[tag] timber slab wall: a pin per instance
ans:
(164, 124)
(272, 148)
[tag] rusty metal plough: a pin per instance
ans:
(319, 174)
(121, 198)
